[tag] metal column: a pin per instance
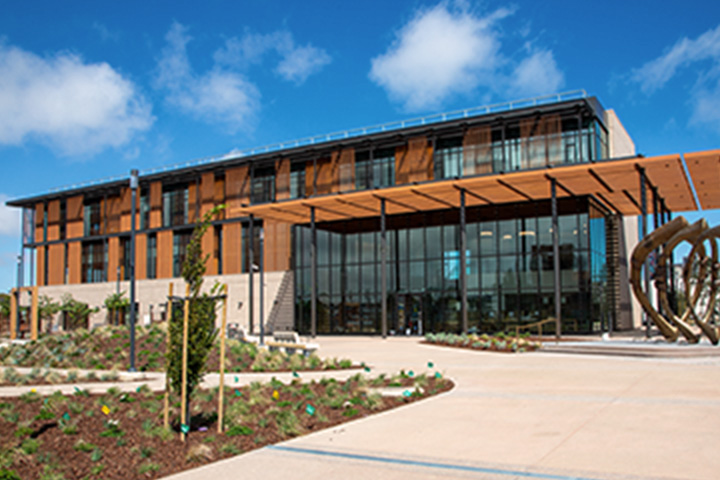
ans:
(262, 287)
(383, 269)
(463, 264)
(133, 313)
(643, 234)
(313, 274)
(251, 271)
(556, 257)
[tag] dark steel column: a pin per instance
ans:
(262, 287)
(133, 212)
(556, 257)
(463, 264)
(251, 272)
(383, 269)
(643, 234)
(313, 274)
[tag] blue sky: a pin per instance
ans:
(88, 90)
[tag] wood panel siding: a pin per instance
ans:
(74, 262)
(39, 222)
(192, 202)
(477, 150)
(40, 255)
(165, 254)
(219, 195)
(207, 243)
(237, 190)
(56, 264)
(232, 238)
(113, 212)
(53, 232)
(344, 170)
(74, 209)
(141, 256)
(113, 257)
(155, 204)
(126, 209)
(282, 179)
(413, 162)
(207, 192)
(324, 181)
(277, 246)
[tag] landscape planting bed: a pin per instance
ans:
(121, 435)
(491, 343)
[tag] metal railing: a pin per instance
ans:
(345, 134)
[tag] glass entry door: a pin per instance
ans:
(409, 315)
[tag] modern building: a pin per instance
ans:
(474, 220)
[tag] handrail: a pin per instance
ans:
(540, 324)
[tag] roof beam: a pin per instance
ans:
(510, 187)
(401, 204)
(431, 198)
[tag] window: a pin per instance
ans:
(94, 259)
(92, 217)
(263, 184)
(180, 242)
(175, 205)
(218, 249)
(449, 158)
(375, 169)
(144, 209)
(63, 218)
(124, 260)
(246, 246)
(152, 256)
(297, 180)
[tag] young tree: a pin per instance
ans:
(201, 321)
(116, 305)
(47, 309)
(76, 312)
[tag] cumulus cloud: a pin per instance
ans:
(537, 74)
(219, 96)
(296, 62)
(701, 54)
(445, 51)
(9, 218)
(73, 106)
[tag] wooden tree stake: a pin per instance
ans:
(221, 391)
(183, 400)
(168, 313)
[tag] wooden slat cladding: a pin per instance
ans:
(40, 255)
(74, 262)
(56, 264)
(113, 257)
(277, 246)
(141, 256)
(207, 192)
(282, 179)
(155, 204)
(343, 163)
(541, 140)
(219, 195)
(74, 210)
(126, 209)
(237, 190)
(164, 254)
(552, 127)
(477, 150)
(53, 220)
(232, 235)
(413, 163)
(324, 180)
(39, 222)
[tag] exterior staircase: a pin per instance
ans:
(282, 313)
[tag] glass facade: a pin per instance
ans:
(509, 270)
(181, 239)
(175, 205)
(94, 261)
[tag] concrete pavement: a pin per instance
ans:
(531, 416)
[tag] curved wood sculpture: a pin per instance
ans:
(700, 275)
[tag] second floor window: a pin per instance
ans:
(94, 260)
(449, 158)
(92, 218)
(144, 209)
(175, 206)
(263, 184)
(180, 242)
(151, 256)
(297, 180)
(375, 169)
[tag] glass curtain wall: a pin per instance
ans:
(509, 270)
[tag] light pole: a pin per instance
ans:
(262, 288)
(133, 190)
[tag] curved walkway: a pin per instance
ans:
(529, 416)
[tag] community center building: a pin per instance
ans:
(477, 220)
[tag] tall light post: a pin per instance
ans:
(262, 288)
(133, 190)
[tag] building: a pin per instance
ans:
(463, 203)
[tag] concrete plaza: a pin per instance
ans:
(532, 415)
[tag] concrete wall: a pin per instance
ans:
(620, 143)
(152, 295)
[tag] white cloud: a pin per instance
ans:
(702, 55)
(296, 63)
(218, 96)
(537, 74)
(446, 51)
(9, 218)
(72, 106)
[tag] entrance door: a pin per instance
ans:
(410, 315)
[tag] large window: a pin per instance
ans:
(94, 261)
(124, 261)
(375, 169)
(449, 158)
(181, 240)
(144, 209)
(92, 217)
(152, 256)
(297, 180)
(175, 205)
(263, 184)
(247, 244)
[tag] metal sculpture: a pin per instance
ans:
(701, 279)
